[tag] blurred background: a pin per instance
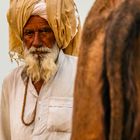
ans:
(5, 63)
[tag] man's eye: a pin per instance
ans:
(28, 33)
(45, 30)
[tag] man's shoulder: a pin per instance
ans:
(67, 62)
(70, 60)
(15, 73)
(68, 65)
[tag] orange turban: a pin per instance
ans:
(62, 17)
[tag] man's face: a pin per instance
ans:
(40, 49)
(37, 33)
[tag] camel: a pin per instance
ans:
(107, 89)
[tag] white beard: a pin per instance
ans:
(40, 62)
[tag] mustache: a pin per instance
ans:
(42, 49)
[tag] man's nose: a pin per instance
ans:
(36, 40)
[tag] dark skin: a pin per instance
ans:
(38, 33)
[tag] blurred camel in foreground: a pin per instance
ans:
(107, 91)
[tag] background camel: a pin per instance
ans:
(107, 91)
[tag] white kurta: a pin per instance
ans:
(54, 105)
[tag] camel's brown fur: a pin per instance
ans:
(107, 91)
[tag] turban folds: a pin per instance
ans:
(40, 9)
(62, 17)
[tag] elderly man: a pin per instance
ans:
(36, 100)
